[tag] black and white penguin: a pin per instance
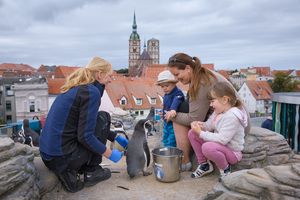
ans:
(138, 153)
(30, 133)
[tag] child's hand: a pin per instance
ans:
(196, 127)
(170, 114)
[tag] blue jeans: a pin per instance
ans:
(169, 139)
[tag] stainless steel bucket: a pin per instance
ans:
(167, 163)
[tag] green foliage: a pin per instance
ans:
(284, 83)
(122, 71)
(234, 71)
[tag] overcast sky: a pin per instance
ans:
(229, 33)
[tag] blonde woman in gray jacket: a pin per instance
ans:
(189, 71)
(221, 138)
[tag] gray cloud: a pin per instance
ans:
(229, 33)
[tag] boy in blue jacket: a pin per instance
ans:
(172, 99)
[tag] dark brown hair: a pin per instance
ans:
(200, 75)
(221, 89)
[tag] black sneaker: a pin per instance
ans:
(94, 177)
(202, 169)
(70, 180)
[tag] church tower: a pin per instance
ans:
(134, 46)
(153, 50)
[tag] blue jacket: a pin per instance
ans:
(72, 120)
(173, 100)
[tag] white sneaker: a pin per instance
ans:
(202, 169)
(225, 172)
(186, 167)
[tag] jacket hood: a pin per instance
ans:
(241, 114)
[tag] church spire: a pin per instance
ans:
(134, 26)
(134, 35)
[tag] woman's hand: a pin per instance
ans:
(114, 155)
(170, 114)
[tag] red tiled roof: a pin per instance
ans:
(54, 85)
(298, 73)
(64, 71)
(152, 71)
(130, 87)
(209, 66)
(262, 71)
(18, 67)
(224, 73)
(261, 90)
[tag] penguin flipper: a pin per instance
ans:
(147, 153)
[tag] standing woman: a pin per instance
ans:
(189, 70)
(73, 139)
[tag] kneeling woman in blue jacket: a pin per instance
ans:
(74, 137)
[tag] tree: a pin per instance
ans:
(122, 71)
(284, 83)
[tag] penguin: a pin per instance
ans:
(138, 153)
(34, 136)
(150, 125)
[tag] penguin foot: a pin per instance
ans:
(145, 173)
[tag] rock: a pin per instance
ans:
(271, 182)
(264, 147)
(47, 179)
(19, 177)
(125, 117)
(269, 170)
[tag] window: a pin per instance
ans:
(8, 119)
(139, 101)
(153, 101)
(8, 105)
(136, 112)
(9, 92)
(141, 112)
(123, 102)
(31, 106)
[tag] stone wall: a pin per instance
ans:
(268, 170)
(264, 147)
(18, 175)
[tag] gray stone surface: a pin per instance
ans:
(264, 147)
(271, 182)
(271, 170)
(18, 175)
(47, 179)
(140, 187)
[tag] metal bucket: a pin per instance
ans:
(167, 163)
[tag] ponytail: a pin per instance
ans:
(81, 76)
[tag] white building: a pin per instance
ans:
(256, 95)
(31, 98)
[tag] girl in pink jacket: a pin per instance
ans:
(221, 138)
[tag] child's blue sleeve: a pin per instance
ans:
(178, 99)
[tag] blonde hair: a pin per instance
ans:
(221, 89)
(199, 76)
(86, 75)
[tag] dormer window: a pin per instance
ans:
(123, 101)
(152, 100)
(139, 101)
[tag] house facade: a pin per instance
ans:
(256, 95)
(31, 98)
